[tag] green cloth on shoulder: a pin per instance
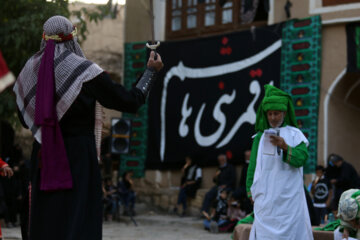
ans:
(252, 163)
(249, 219)
(332, 226)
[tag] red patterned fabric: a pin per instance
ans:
(3, 164)
(6, 77)
(3, 67)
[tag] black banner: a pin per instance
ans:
(205, 100)
(353, 47)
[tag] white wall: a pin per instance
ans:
(160, 19)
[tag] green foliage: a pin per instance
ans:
(21, 24)
(21, 28)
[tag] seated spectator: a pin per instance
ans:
(234, 214)
(234, 211)
(127, 193)
(321, 190)
(190, 183)
(110, 199)
(218, 216)
(349, 215)
(224, 179)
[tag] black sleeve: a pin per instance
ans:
(229, 176)
(113, 95)
(21, 119)
(328, 184)
(344, 179)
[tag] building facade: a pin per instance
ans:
(339, 98)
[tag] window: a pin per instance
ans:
(194, 18)
(227, 13)
(337, 2)
(191, 17)
(176, 15)
(210, 12)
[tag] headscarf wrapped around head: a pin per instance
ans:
(46, 87)
(275, 99)
(349, 205)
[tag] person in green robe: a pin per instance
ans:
(275, 175)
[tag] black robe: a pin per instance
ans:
(76, 214)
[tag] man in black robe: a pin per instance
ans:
(346, 179)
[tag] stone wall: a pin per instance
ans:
(160, 189)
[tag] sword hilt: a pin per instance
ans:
(153, 47)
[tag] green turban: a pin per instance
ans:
(275, 99)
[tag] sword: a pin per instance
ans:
(153, 44)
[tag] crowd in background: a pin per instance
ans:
(327, 187)
(119, 195)
(223, 205)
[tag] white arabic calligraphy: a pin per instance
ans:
(205, 141)
(218, 115)
(248, 116)
(185, 112)
(183, 72)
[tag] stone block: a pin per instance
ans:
(208, 174)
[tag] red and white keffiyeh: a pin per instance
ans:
(6, 77)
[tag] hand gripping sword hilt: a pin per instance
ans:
(153, 47)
